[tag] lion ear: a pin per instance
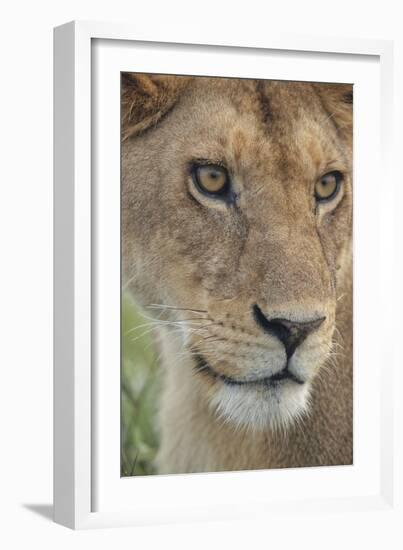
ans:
(146, 99)
(338, 102)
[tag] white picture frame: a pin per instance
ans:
(87, 491)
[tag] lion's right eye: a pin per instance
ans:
(211, 179)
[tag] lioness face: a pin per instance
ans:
(237, 212)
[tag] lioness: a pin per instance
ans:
(237, 240)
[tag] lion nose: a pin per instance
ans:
(290, 333)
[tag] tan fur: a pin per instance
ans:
(275, 248)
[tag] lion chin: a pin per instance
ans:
(267, 402)
(270, 396)
(261, 406)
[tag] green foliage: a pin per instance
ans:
(140, 393)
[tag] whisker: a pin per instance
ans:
(180, 322)
(127, 283)
(175, 308)
(142, 334)
(338, 333)
(137, 327)
(168, 321)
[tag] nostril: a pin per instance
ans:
(273, 327)
(290, 333)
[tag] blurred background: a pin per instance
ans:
(140, 387)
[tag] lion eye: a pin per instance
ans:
(327, 187)
(211, 179)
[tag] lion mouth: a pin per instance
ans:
(285, 374)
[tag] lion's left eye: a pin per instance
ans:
(327, 187)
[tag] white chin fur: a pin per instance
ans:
(259, 408)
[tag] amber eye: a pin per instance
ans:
(327, 187)
(211, 179)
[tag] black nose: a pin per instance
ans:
(290, 333)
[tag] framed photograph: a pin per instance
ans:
(223, 251)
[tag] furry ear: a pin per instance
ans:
(146, 99)
(337, 99)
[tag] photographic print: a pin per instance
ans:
(236, 292)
